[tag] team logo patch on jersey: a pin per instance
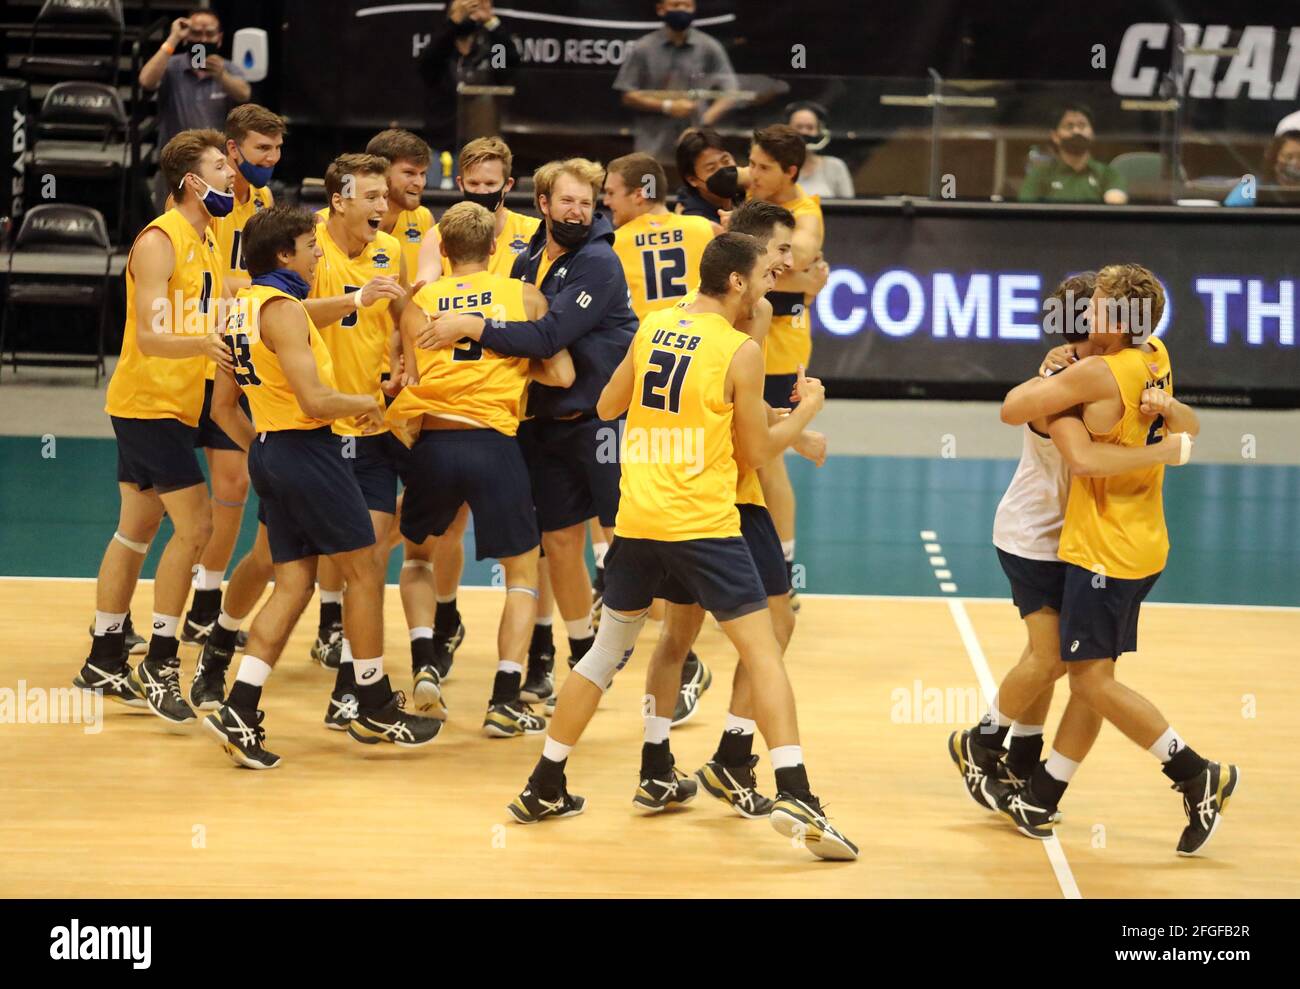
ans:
(518, 245)
(381, 260)
(413, 234)
(258, 205)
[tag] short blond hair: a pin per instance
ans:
(483, 149)
(351, 164)
(1132, 286)
(251, 117)
(582, 169)
(182, 154)
(467, 231)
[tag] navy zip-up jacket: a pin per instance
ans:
(589, 314)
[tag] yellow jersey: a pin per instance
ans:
(512, 242)
(359, 341)
(274, 406)
(1116, 525)
(158, 387)
(660, 254)
(410, 228)
(679, 466)
(468, 383)
(791, 332)
(229, 233)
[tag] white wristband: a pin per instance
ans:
(667, 107)
(356, 298)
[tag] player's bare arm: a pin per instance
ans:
(156, 322)
(1179, 417)
(428, 266)
(227, 413)
(616, 396)
(326, 312)
(1088, 459)
(1090, 380)
(757, 443)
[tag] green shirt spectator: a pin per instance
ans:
(1073, 175)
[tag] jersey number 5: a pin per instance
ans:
(669, 371)
(244, 371)
(467, 348)
(663, 269)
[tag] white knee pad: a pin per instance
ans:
(613, 647)
(134, 547)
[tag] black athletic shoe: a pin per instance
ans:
(342, 710)
(208, 688)
(391, 723)
(655, 795)
(444, 651)
(428, 693)
(136, 645)
(511, 720)
(539, 684)
(328, 648)
(115, 683)
(978, 766)
(1205, 798)
(196, 628)
(696, 679)
(1006, 780)
(806, 823)
(735, 786)
(529, 808)
(1030, 814)
(241, 740)
(159, 681)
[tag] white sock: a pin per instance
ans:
(506, 666)
(422, 632)
(579, 628)
(165, 625)
(1060, 768)
(107, 621)
(1168, 745)
(787, 550)
(207, 580)
(1025, 731)
(743, 726)
(346, 656)
(656, 729)
(598, 550)
(786, 756)
(368, 671)
(253, 671)
(331, 597)
(227, 622)
(547, 620)
(555, 751)
(996, 716)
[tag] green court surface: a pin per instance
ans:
(1235, 529)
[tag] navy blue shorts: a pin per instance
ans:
(311, 502)
(759, 533)
(377, 463)
(573, 474)
(210, 435)
(777, 389)
(1100, 622)
(1035, 584)
(717, 574)
(449, 467)
(156, 453)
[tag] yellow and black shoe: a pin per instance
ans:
(805, 823)
(696, 679)
(1205, 798)
(428, 693)
(1030, 814)
(241, 736)
(735, 786)
(328, 647)
(393, 724)
(654, 795)
(978, 766)
(511, 719)
(530, 806)
(114, 681)
(159, 682)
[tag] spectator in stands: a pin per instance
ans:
(471, 46)
(822, 175)
(1281, 168)
(1073, 175)
(710, 178)
(675, 57)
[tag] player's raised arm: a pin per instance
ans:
(328, 311)
(1090, 380)
(757, 443)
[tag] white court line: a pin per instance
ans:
(1055, 853)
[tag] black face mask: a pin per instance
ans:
(679, 20)
(724, 183)
(1076, 144)
(570, 235)
(464, 28)
(488, 200)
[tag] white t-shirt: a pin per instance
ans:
(1030, 515)
(830, 179)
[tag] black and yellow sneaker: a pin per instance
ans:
(539, 681)
(655, 795)
(511, 719)
(342, 709)
(115, 682)
(530, 807)
(444, 651)
(1205, 798)
(241, 737)
(428, 693)
(735, 786)
(978, 766)
(696, 679)
(208, 688)
(159, 682)
(392, 723)
(1029, 813)
(805, 823)
(328, 647)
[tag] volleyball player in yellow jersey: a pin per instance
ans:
(465, 408)
(173, 292)
(312, 503)
(254, 136)
(1115, 543)
(775, 158)
(660, 251)
(688, 379)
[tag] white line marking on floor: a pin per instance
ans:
(948, 587)
(943, 574)
(929, 534)
(933, 548)
(938, 561)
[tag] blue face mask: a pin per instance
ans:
(286, 280)
(258, 176)
(217, 204)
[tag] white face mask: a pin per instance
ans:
(217, 203)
